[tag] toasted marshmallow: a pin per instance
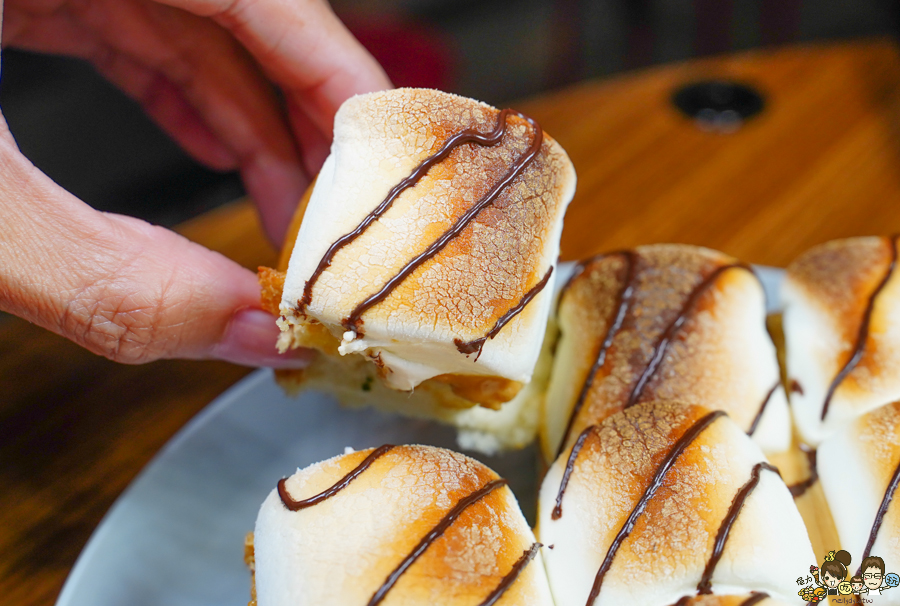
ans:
(755, 598)
(828, 294)
(469, 302)
(416, 525)
(666, 322)
(857, 466)
(646, 495)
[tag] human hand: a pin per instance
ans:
(134, 292)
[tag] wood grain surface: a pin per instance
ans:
(821, 162)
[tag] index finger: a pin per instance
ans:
(303, 47)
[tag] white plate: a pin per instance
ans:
(175, 536)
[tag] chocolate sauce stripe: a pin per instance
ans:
(470, 347)
(432, 536)
(352, 321)
(863, 335)
(662, 346)
(882, 511)
(658, 477)
(755, 598)
(799, 488)
(705, 584)
(570, 465)
(507, 581)
(461, 138)
(293, 505)
(762, 408)
(624, 299)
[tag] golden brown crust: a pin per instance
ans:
(839, 278)
(877, 433)
(482, 273)
(490, 392)
(588, 308)
(841, 275)
(420, 486)
(721, 600)
(678, 524)
(250, 562)
(271, 284)
(473, 554)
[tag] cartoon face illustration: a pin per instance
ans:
(872, 572)
(844, 588)
(872, 577)
(856, 584)
(834, 568)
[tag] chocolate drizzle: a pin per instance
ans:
(470, 347)
(755, 598)
(293, 505)
(863, 335)
(800, 488)
(705, 584)
(762, 408)
(683, 442)
(352, 321)
(570, 465)
(507, 581)
(432, 536)
(659, 351)
(796, 387)
(623, 300)
(466, 136)
(882, 511)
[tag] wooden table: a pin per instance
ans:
(821, 162)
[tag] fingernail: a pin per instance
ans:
(250, 340)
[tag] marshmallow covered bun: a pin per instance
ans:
(666, 321)
(754, 598)
(665, 500)
(859, 468)
(404, 525)
(842, 328)
(429, 243)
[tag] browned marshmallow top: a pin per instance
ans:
(482, 273)
(405, 525)
(656, 323)
(847, 281)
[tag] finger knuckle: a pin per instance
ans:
(119, 320)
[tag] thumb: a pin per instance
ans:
(122, 288)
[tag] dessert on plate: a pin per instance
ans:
(666, 500)
(754, 598)
(425, 257)
(842, 328)
(396, 525)
(665, 321)
(859, 468)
